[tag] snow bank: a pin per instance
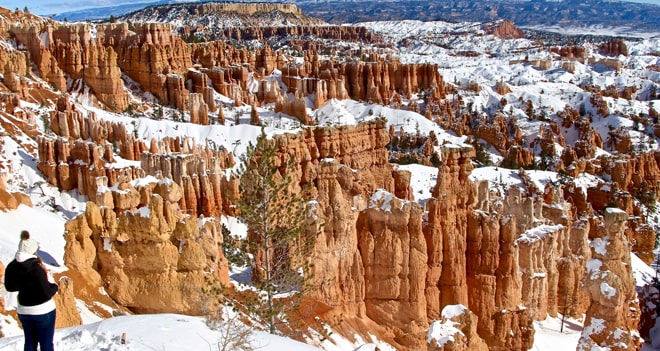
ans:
(171, 332)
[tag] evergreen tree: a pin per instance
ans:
(482, 156)
(280, 234)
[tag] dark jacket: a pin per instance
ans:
(31, 282)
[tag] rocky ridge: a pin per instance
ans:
(217, 19)
(592, 12)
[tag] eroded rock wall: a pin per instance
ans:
(380, 257)
(613, 315)
(152, 259)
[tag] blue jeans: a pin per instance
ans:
(38, 330)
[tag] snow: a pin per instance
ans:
(502, 178)
(236, 228)
(597, 325)
(593, 265)
(437, 39)
(334, 113)
(48, 231)
(349, 112)
(142, 182)
(233, 138)
(451, 311)
(655, 338)
(607, 290)
(642, 272)
(600, 245)
(107, 244)
(422, 181)
(441, 333)
(144, 211)
(382, 199)
(170, 332)
(614, 210)
(597, 29)
(336, 342)
(535, 234)
(549, 338)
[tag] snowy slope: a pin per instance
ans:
(169, 332)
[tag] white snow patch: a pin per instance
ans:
(382, 199)
(441, 333)
(422, 180)
(600, 245)
(535, 234)
(642, 272)
(594, 265)
(614, 210)
(607, 290)
(597, 325)
(549, 335)
(144, 211)
(451, 311)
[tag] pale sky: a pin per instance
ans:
(656, 2)
(48, 7)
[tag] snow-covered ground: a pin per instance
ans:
(550, 336)
(622, 31)
(167, 332)
(171, 332)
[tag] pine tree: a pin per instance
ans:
(482, 156)
(280, 234)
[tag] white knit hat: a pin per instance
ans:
(28, 246)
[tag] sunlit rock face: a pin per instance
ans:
(612, 317)
(149, 260)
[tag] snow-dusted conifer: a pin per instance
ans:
(280, 233)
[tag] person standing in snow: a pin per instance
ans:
(27, 276)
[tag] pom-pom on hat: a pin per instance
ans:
(27, 245)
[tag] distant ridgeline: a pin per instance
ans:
(240, 8)
(221, 20)
(194, 8)
(567, 13)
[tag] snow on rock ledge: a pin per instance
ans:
(456, 331)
